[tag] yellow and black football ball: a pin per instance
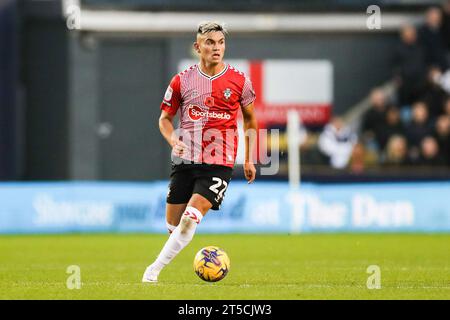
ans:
(211, 264)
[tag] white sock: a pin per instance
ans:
(179, 238)
(170, 227)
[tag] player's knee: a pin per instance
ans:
(200, 202)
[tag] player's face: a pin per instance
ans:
(211, 47)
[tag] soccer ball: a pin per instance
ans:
(211, 264)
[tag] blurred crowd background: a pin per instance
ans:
(411, 125)
(83, 104)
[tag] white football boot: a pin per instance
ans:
(150, 275)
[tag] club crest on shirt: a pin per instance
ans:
(227, 93)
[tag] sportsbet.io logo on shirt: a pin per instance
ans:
(196, 113)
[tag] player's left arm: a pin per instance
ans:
(250, 130)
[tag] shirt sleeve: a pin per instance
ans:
(172, 98)
(248, 94)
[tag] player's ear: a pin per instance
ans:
(196, 47)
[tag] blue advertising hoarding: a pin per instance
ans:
(59, 207)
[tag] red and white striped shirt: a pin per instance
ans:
(208, 112)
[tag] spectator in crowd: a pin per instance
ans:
(396, 153)
(431, 39)
(447, 106)
(357, 158)
(445, 28)
(442, 135)
(336, 143)
(392, 124)
(444, 81)
(432, 93)
(409, 65)
(373, 119)
(420, 126)
(362, 158)
(429, 153)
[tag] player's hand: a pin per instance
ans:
(178, 147)
(249, 171)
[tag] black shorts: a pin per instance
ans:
(210, 181)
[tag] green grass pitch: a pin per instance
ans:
(314, 266)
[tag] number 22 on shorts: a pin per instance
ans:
(215, 187)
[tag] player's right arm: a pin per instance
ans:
(169, 107)
(168, 132)
(166, 127)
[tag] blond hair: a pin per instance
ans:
(210, 26)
